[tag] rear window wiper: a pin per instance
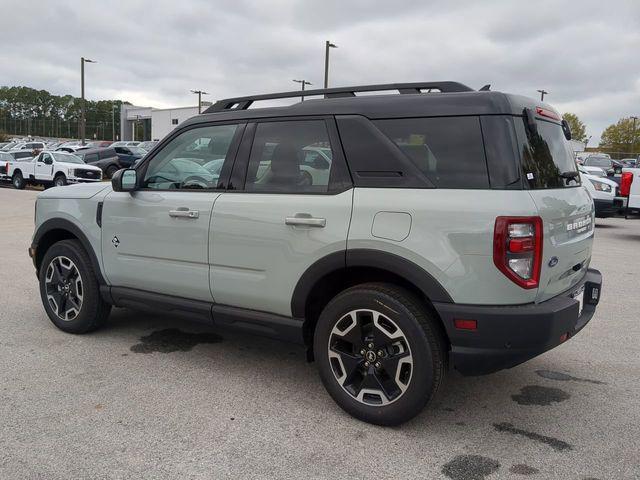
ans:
(571, 175)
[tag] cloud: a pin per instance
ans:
(153, 52)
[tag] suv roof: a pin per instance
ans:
(452, 99)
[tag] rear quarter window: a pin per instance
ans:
(449, 151)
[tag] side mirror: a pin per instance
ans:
(124, 180)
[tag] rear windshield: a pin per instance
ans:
(448, 150)
(545, 156)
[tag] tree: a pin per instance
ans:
(621, 137)
(578, 129)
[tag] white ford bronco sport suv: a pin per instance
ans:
(52, 169)
(396, 235)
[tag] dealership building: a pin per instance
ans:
(148, 123)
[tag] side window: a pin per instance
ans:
(45, 157)
(448, 150)
(192, 160)
(291, 156)
(91, 157)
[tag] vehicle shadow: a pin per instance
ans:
(461, 403)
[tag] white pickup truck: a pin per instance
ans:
(630, 188)
(51, 168)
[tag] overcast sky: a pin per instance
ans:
(585, 53)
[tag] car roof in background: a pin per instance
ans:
(96, 150)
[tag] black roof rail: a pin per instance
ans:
(243, 103)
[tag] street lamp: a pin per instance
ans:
(633, 133)
(542, 94)
(303, 82)
(114, 107)
(200, 93)
(82, 107)
(327, 46)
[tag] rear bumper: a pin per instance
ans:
(608, 208)
(509, 335)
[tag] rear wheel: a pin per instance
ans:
(111, 171)
(18, 181)
(379, 352)
(69, 289)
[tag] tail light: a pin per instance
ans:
(625, 183)
(517, 249)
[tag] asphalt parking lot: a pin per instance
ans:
(157, 397)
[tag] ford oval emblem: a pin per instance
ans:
(553, 262)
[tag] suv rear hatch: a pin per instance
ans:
(566, 208)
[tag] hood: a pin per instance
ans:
(73, 166)
(80, 190)
(605, 180)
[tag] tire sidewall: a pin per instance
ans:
(59, 181)
(18, 181)
(422, 384)
(88, 311)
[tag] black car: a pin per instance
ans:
(129, 155)
(105, 158)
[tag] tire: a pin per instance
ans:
(111, 170)
(402, 342)
(60, 180)
(83, 310)
(18, 181)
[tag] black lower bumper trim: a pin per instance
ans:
(509, 335)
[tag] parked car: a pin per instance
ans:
(148, 145)
(105, 158)
(452, 230)
(629, 162)
(125, 143)
(99, 144)
(33, 146)
(7, 158)
(9, 146)
(129, 155)
(52, 168)
(605, 194)
(600, 161)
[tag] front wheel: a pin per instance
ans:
(18, 181)
(60, 181)
(69, 288)
(380, 353)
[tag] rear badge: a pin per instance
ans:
(115, 241)
(553, 262)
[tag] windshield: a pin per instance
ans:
(546, 155)
(137, 151)
(66, 157)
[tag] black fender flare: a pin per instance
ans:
(361, 257)
(64, 224)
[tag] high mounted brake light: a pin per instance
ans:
(625, 183)
(517, 249)
(543, 112)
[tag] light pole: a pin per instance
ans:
(200, 93)
(327, 46)
(303, 82)
(633, 133)
(113, 122)
(82, 107)
(542, 94)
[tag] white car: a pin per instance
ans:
(52, 168)
(594, 171)
(603, 191)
